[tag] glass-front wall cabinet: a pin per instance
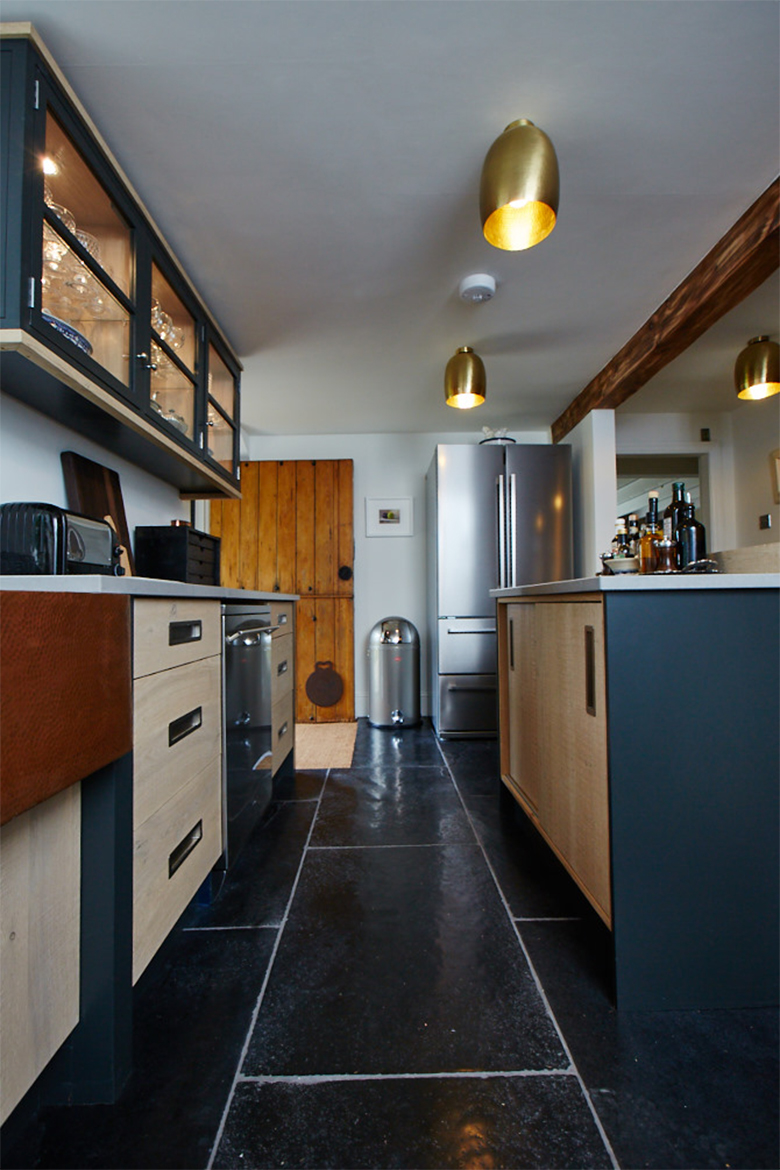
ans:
(173, 365)
(97, 318)
(87, 266)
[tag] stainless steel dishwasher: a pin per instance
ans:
(246, 711)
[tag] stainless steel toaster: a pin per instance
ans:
(42, 538)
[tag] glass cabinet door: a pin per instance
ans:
(173, 357)
(221, 412)
(87, 270)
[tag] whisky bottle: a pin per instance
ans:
(674, 509)
(651, 534)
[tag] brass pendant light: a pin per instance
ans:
(757, 370)
(518, 197)
(464, 379)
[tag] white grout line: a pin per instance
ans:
(537, 980)
(482, 1075)
(551, 918)
(255, 1013)
(204, 929)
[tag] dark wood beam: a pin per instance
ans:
(742, 260)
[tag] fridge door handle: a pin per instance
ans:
(512, 531)
(501, 512)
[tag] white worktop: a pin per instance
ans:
(134, 587)
(637, 583)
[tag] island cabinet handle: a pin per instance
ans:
(282, 730)
(511, 643)
(590, 671)
(282, 668)
(180, 728)
(181, 632)
(184, 848)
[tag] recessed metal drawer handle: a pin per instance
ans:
(282, 619)
(590, 671)
(282, 730)
(471, 687)
(184, 848)
(181, 632)
(282, 668)
(179, 728)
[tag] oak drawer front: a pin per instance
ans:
(282, 730)
(282, 664)
(173, 851)
(171, 633)
(282, 618)
(176, 731)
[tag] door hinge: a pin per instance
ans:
(37, 95)
(31, 293)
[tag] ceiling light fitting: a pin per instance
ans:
(757, 369)
(477, 288)
(519, 190)
(464, 379)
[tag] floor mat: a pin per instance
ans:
(324, 745)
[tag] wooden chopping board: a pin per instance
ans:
(95, 491)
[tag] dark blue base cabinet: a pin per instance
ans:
(691, 696)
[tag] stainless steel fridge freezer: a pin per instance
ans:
(498, 515)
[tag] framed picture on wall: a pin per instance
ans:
(389, 517)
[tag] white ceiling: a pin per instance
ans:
(315, 166)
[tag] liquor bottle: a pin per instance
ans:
(691, 536)
(674, 509)
(651, 534)
(633, 535)
(666, 550)
(620, 539)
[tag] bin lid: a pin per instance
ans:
(392, 631)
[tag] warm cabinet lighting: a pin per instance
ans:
(519, 190)
(757, 371)
(464, 379)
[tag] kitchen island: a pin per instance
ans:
(639, 734)
(113, 805)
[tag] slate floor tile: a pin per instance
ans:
(400, 960)
(392, 805)
(411, 746)
(256, 889)
(413, 1123)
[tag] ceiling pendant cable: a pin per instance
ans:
(757, 369)
(520, 187)
(464, 379)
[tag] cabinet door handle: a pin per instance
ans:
(184, 848)
(181, 632)
(282, 730)
(180, 728)
(282, 668)
(590, 671)
(511, 643)
(282, 619)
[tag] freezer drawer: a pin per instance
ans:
(467, 705)
(467, 645)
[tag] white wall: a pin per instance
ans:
(390, 572)
(30, 468)
(594, 489)
(680, 434)
(756, 432)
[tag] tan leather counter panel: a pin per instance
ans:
(65, 692)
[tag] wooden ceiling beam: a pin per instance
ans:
(742, 260)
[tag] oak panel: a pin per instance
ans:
(152, 620)
(159, 767)
(304, 524)
(324, 527)
(286, 527)
(40, 871)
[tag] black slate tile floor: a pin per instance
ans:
(396, 973)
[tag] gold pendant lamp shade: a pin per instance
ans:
(464, 379)
(757, 371)
(518, 197)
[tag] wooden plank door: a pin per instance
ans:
(292, 532)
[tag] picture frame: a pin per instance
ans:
(774, 473)
(389, 516)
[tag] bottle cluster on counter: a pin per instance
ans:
(672, 543)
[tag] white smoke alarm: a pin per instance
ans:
(477, 288)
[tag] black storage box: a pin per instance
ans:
(177, 553)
